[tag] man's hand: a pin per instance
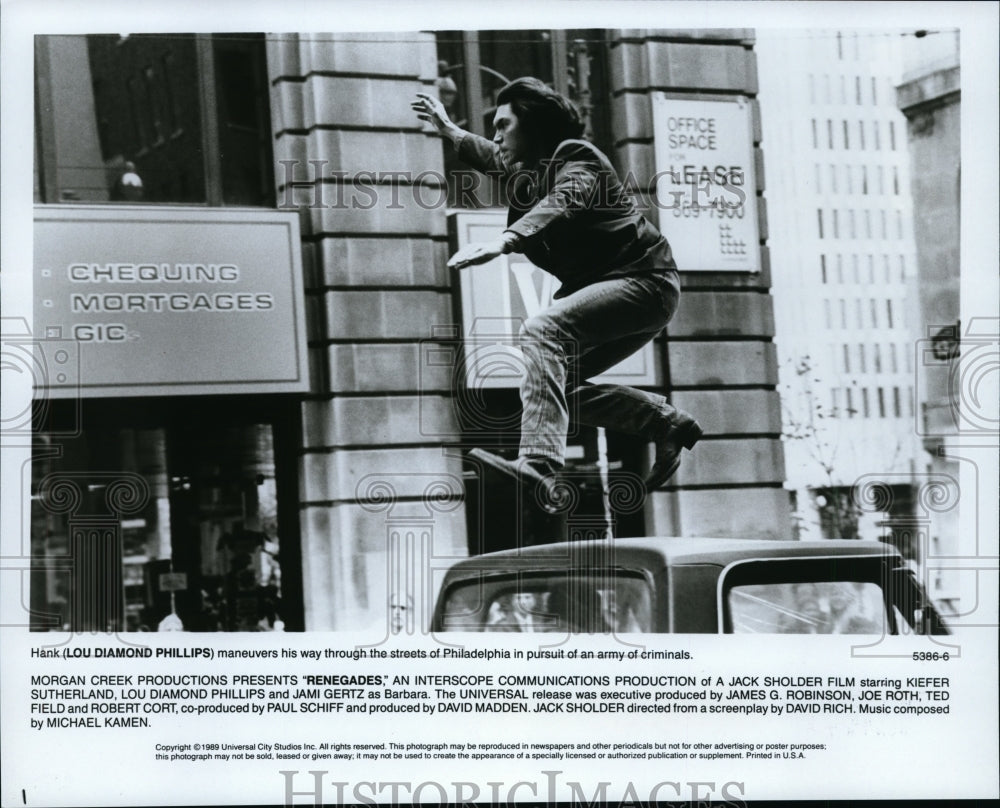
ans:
(430, 109)
(477, 253)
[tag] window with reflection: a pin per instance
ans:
(164, 118)
(808, 607)
(551, 603)
(474, 65)
(173, 516)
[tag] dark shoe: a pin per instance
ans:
(684, 433)
(538, 473)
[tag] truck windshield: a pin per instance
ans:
(808, 607)
(553, 602)
(872, 594)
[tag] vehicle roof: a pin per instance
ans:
(674, 551)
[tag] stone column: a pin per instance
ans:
(719, 359)
(349, 155)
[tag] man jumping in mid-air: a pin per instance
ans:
(570, 215)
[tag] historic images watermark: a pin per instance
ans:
(317, 188)
(549, 787)
(31, 365)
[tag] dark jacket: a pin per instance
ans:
(574, 217)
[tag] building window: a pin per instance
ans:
(858, 319)
(899, 224)
(857, 91)
(855, 272)
(865, 404)
(213, 541)
(902, 269)
(868, 224)
(847, 138)
(851, 226)
(840, 268)
(843, 313)
(815, 134)
(819, 221)
(893, 363)
(874, 92)
(897, 409)
(888, 314)
(873, 310)
(849, 180)
(836, 223)
(881, 402)
(840, 45)
(861, 135)
(909, 401)
(833, 178)
(864, 179)
(835, 401)
(851, 412)
(885, 224)
(153, 119)
(871, 268)
(862, 363)
(846, 351)
(877, 357)
(480, 63)
(895, 181)
(881, 181)
(892, 136)
(878, 141)
(822, 268)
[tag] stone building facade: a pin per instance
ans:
(374, 493)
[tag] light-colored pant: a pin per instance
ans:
(581, 336)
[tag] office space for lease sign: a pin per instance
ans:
(705, 182)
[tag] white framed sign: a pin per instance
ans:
(500, 295)
(170, 300)
(706, 182)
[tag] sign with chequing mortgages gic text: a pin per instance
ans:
(706, 183)
(133, 301)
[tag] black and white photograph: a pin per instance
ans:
(339, 341)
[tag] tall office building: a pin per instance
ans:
(843, 258)
(930, 98)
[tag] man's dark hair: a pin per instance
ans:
(546, 117)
